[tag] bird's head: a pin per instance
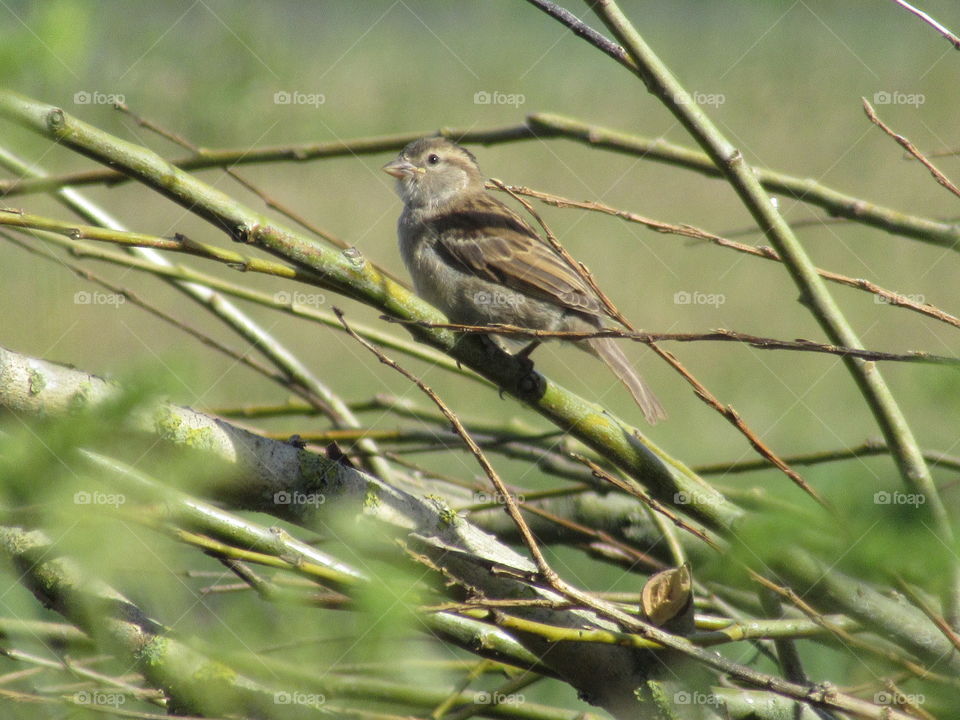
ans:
(432, 172)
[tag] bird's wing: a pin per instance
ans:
(484, 237)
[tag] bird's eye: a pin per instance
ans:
(433, 159)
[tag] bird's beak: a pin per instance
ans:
(400, 168)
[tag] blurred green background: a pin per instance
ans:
(786, 80)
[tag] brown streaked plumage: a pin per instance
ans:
(479, 262)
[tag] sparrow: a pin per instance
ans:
(480, 263)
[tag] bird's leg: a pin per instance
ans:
(523, 355)
(530, 383)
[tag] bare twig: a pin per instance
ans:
(868, 448)
(578, 267)
(910, 147)
(719, 335)
(733, 416)
(935, 617)
(951, 38)
(659, 507)
(637, 556)
(511, 504)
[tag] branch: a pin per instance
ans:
(718, 335)
(910, 147)
(509, 501)
(951, 38)
(869, 448)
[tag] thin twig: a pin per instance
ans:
(578, 267)
(718, 335)
(733, 416)
(655, 505)
(841, 633)
(951, 38)
(511, 504)
(868, 448)
(636, 555)
(925, 607)
(910, 147)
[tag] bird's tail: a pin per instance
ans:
(607, 350)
